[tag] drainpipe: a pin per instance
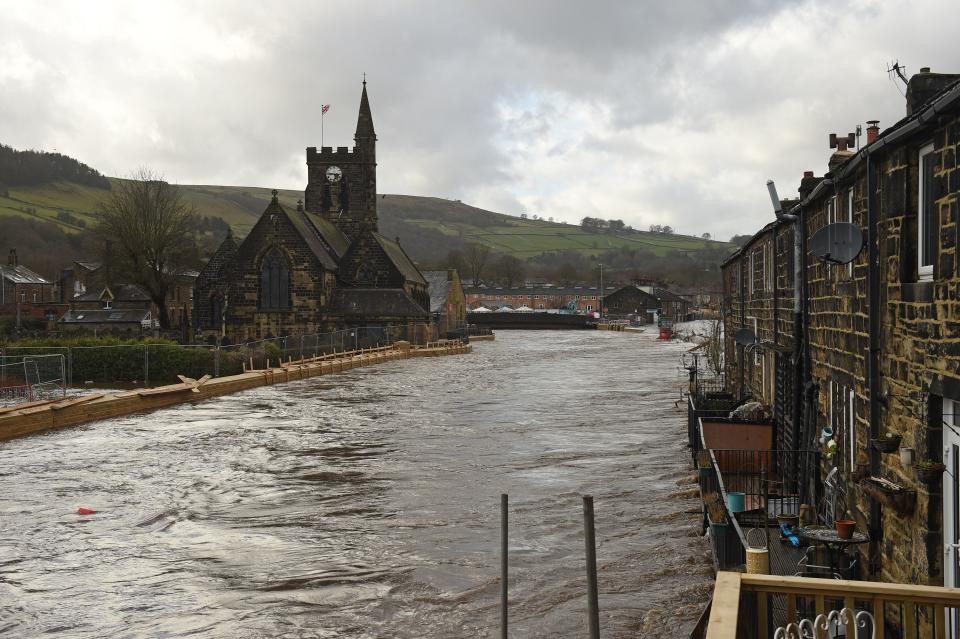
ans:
(873, 361)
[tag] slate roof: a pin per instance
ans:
(438, 286)
(106, 316)
(90, 266)
(400, 259)
(375, 302)
(306, 230)
(122, 293)
(329, 232)
(21, 275)
(668, 296)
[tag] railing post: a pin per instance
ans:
(146, 366)
(593, 604)
(503, 566)
(216, 361)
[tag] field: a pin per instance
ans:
(427, 226)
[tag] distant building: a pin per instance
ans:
(91, 276)
(321, 266)
(125, 310)
(448, 304)
(631, 300)
(24, 291)
(580, 298)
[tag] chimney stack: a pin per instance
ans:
(873, 130)
(925, 86)
(807, 184)
(842, 153)
(12, 258)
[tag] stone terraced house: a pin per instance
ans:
(871, 347)
(319, 267)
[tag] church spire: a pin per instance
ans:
(365, 130)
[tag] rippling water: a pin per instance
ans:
(367, 504)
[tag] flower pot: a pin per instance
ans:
(931, 473)
(845, 528)
(887, 444)
(718, 531)
(736, 502)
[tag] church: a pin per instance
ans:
(321, 267)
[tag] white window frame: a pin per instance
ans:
(850, 219)
(753, 255)
(924, 272)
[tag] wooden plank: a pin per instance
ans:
(725, 607)
(879, 618)
(909, 620)
(839, 588)
(820, 607)
(939, 621)
(77, 400)
(791, 608)
(762, 626)
(10, 409)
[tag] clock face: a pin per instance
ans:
(334, 173)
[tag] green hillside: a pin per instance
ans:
(427, 226)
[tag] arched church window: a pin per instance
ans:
(274, 281)
(216, 310)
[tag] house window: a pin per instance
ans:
(927, 216)
(589, 307)
(107, 304)
(274, 281)
(540, 307)
(34, 296)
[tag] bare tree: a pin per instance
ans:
(150, 231)
(510, 271)
(475, 258)
(714, 347)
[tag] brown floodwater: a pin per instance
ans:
(367, 504)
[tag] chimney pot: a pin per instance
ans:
(808, 174)
(873, 130)
(924, 69)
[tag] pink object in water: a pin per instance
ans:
(86, 511)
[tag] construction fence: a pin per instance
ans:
(32, 371)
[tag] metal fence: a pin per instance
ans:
(127, 365)
(29, 378)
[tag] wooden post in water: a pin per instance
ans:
(593, 605)
(503, 566)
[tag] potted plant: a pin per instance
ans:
(717, 515)
(791, 519)
(929, 471)
(887, 443)
(845, 527)
(703, 464)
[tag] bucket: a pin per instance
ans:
(735, 502)
(758, 561)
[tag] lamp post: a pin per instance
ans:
(601, 290)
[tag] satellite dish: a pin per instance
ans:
(745, 337)
(837, 243)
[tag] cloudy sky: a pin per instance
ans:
(657, 112)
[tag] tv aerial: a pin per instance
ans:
(838, 243)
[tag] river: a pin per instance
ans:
(366, 504)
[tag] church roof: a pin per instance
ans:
(400, 259)
(329, 232)
(371, 303)
(305, 230)
(438, 286)
(220, 258)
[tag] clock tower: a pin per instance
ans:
(342, 182)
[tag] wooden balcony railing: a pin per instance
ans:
(747, 606)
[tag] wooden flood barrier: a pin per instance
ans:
(16, 421)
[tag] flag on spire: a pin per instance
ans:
(324, 108)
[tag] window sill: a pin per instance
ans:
(917, 291)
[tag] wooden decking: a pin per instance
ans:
(40, 416)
